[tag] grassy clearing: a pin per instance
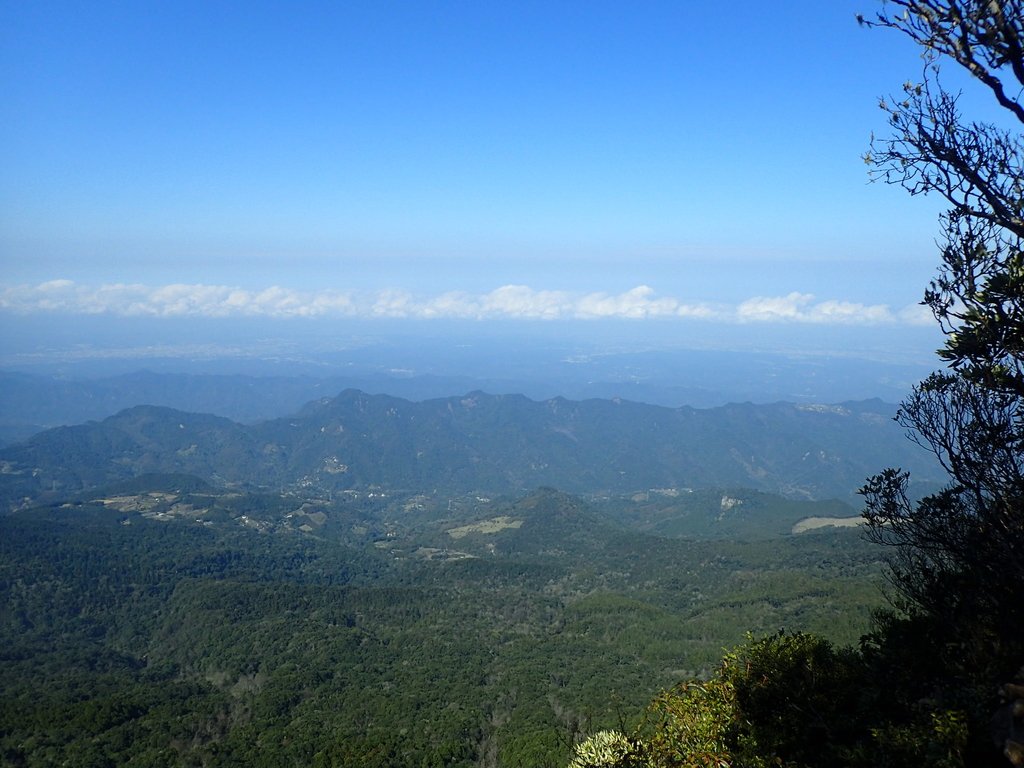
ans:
(810, 523)
(494, 525)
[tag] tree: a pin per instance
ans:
(959, 553)
(787, 699)
(976, 167)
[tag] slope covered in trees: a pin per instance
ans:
(169, 623)
(479, 442)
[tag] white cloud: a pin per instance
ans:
(505, 302)
(174, 300)
(391, 304)
(637, 303)
(802, 308)
(773, 308)
(522, 301)
(917, 314)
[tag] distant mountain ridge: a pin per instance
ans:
(479, 442)
(251, 389)
(31, 403)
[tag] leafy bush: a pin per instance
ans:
(606, 749)
(792, 700)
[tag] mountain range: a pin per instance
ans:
(478, 443)
(71, 389)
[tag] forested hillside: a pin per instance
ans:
(165, 622)
(479, 442)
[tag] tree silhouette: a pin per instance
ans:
(958, 559)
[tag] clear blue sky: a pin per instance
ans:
(454, 159)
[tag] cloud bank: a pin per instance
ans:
(509, 302)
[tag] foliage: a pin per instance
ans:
(780, 700)
(795, 695)
(977, 168)
(605, 749)
(691, 726)
(794, 700)
(959, 552)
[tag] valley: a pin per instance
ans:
(372, 582)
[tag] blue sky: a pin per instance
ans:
(471, 161)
